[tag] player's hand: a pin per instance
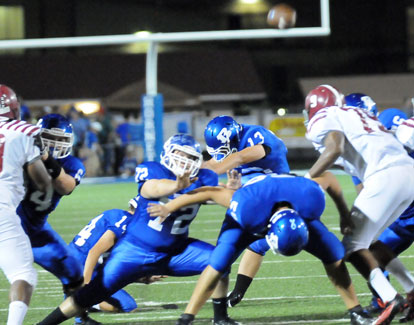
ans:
(233, 299)
(38, 141)
(151, 279)
(346, 225)
(185, 181)
(158, 210)
(233, 180)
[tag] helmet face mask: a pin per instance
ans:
(321, 97)
(57, 135)
(181, 154)
(288, 233)
(222, 135)
(9, 105)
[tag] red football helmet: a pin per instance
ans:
(321, 97)
(9, 105)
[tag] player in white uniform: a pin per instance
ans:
(357, 141)
(17, 151)
(405, 133)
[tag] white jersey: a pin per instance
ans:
(16, 149)
(405, 133)
(369, 147)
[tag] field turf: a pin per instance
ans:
(292, 290)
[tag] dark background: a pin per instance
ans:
(367, 37)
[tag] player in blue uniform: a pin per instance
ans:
(96, 239)
(49, 249)
(243, 226)
(151, 248)
(251, 149)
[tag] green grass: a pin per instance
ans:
(286, 290)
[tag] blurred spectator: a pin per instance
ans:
(80, 128)
(106, 140)
(122, 141)
(130, 162)
(91, 152)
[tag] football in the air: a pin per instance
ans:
(282, 16)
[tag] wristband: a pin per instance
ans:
(53, 167)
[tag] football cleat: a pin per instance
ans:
(360, 318)
(86, 320)
(391, 309)
(226, 321)
(375, 307)
(409, 312)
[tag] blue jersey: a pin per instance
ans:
(115, 220)
(147, 232)
(275, 160)
(32, 210)
(263, 192)
(253, 205)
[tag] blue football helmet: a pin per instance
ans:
(222, 135)
(362, 101)
(57, 135)
(181, 153)
(287, 233)
(391, 118)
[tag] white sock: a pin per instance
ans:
(397, 269)
(17, 311)
(381, 285)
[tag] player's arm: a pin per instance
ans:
(218, 194)
(236, 159)
(105, 243)
(156, 188)
(39, 175)
(334, 146)
(63, 183)
(330, 184)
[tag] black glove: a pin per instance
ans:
(233, 299)
(38, 141)
(185, 319)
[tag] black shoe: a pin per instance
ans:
(86, 321)
(395, 306)
(360, 319)
(226, 321)
(409, 312)
(376, 306)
